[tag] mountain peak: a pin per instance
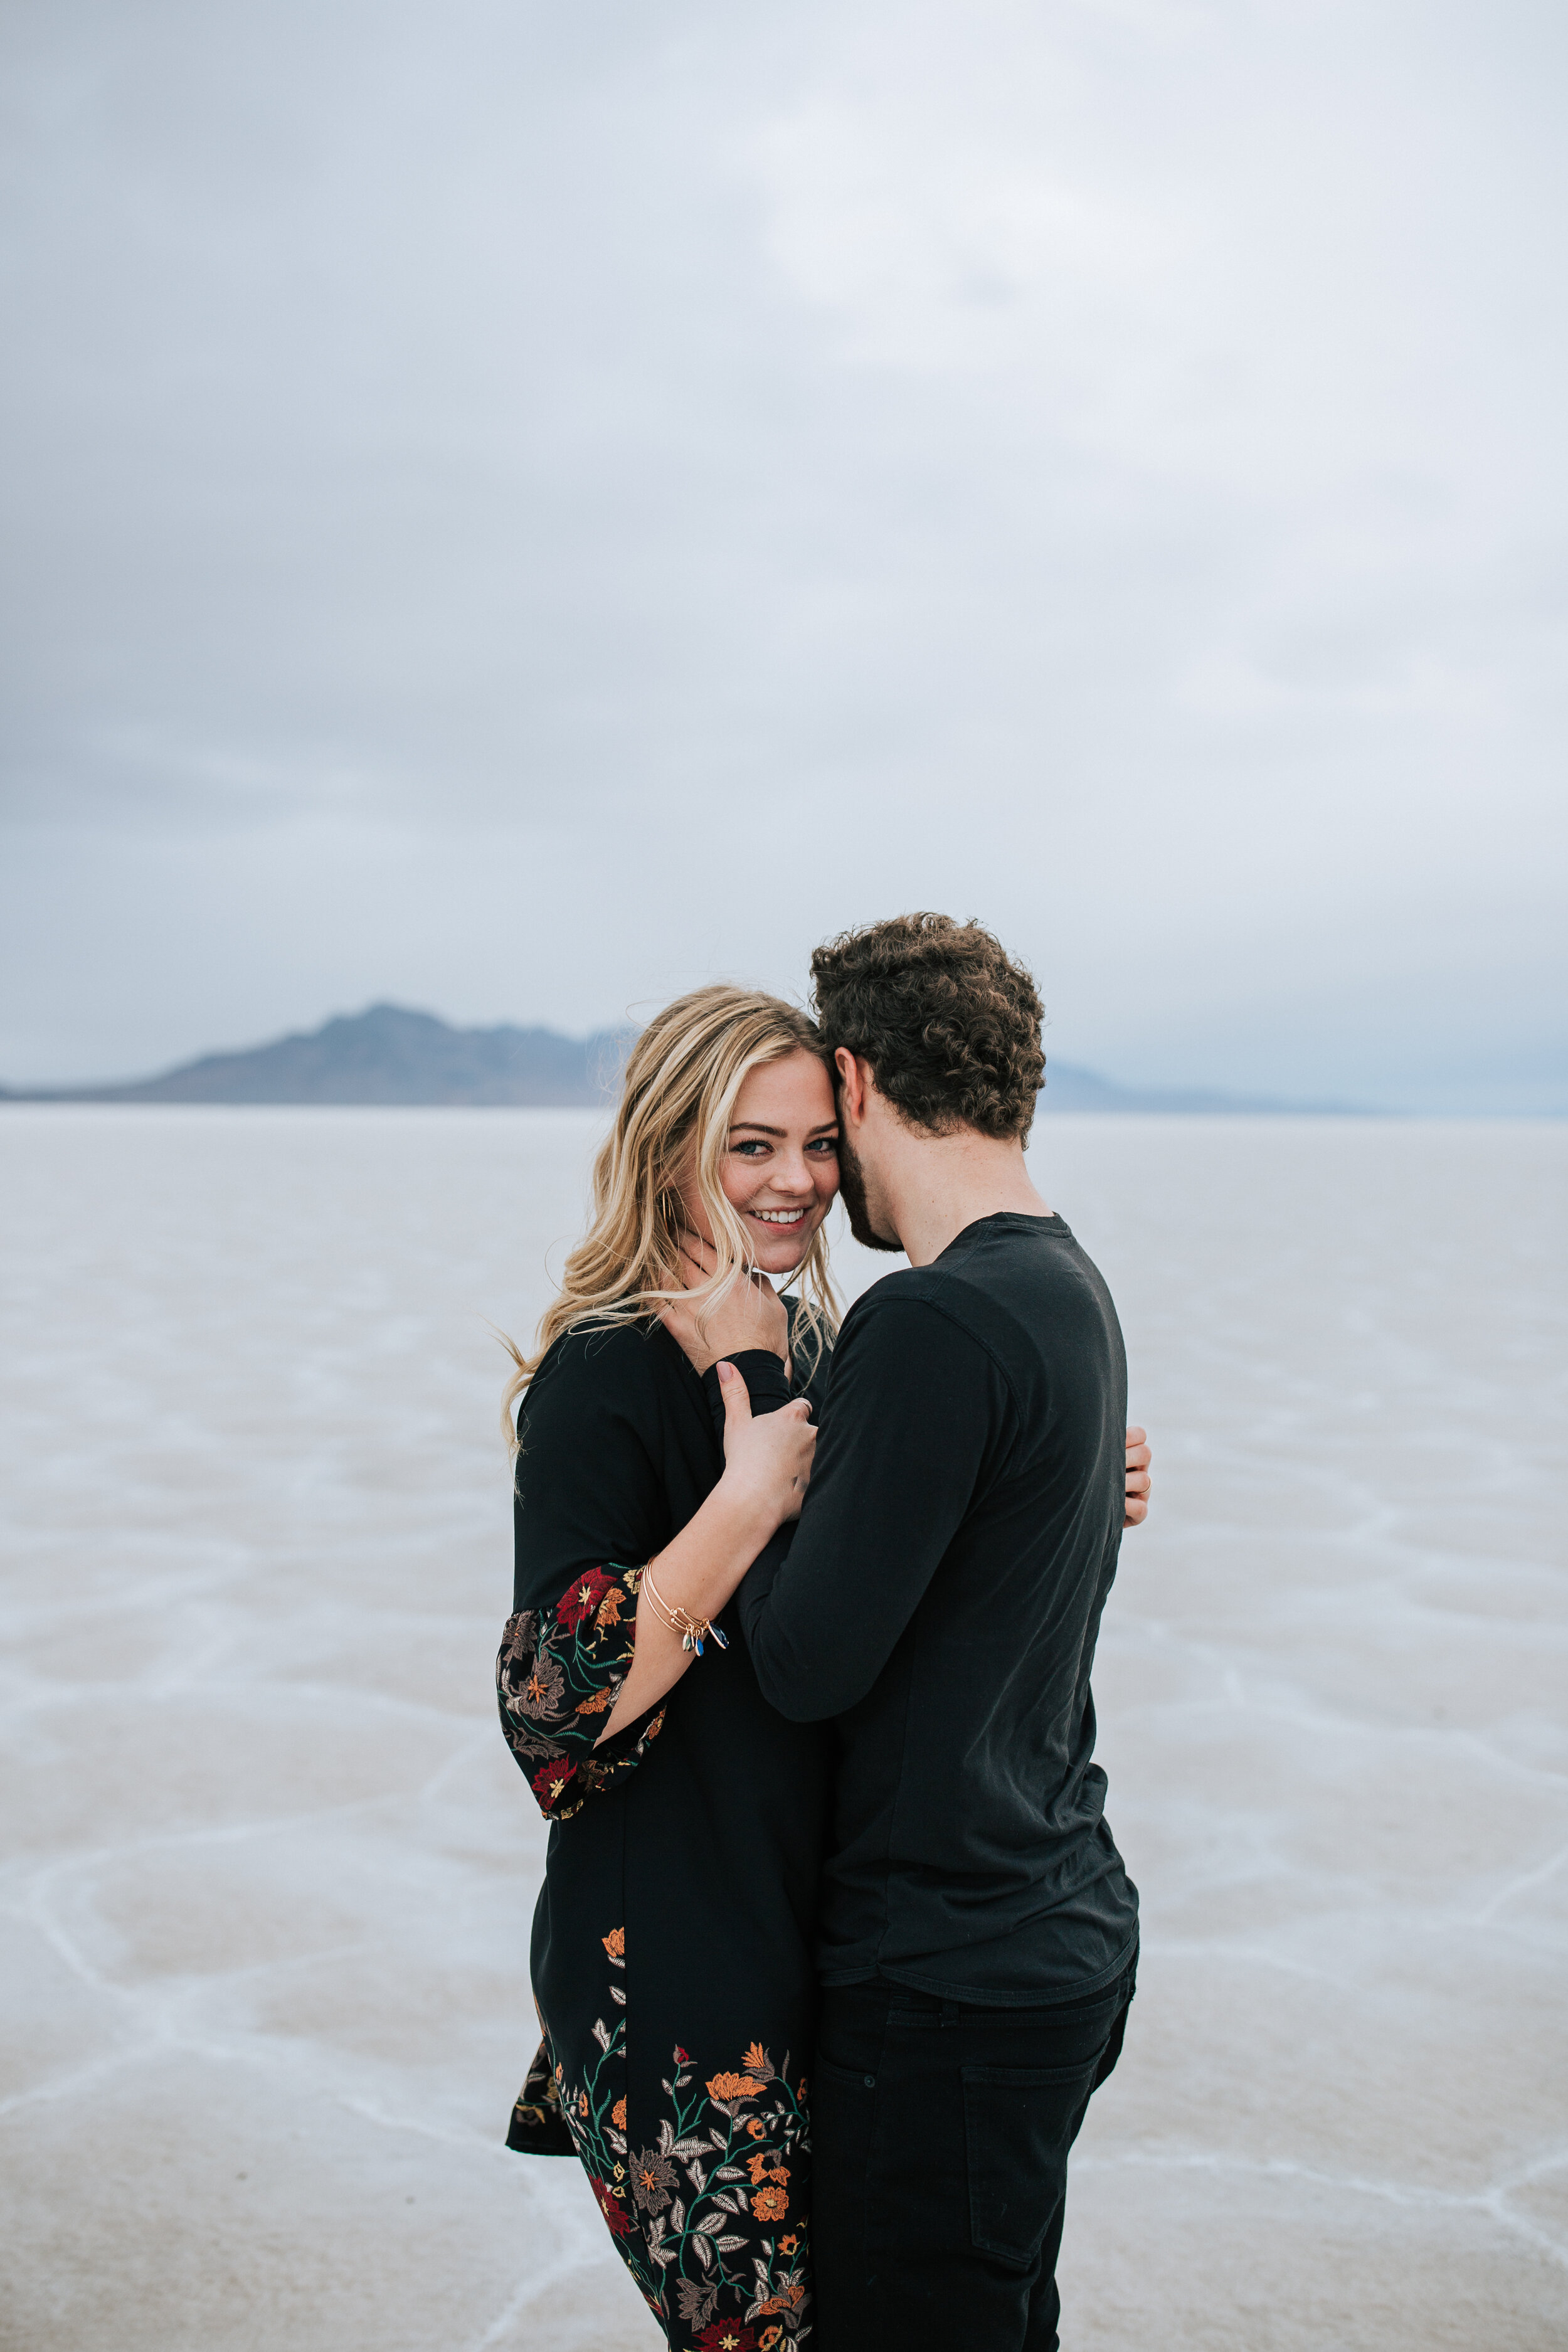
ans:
(389, 1054)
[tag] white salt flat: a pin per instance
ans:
(266, 1903)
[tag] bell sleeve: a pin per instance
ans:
(589, 1513)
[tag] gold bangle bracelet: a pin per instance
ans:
(693, 1631)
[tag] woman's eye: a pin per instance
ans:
(750, 1148)
(825, 1147)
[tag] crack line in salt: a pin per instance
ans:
(1537, 1877)
(1492, 2201)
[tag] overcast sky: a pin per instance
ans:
(518, 508)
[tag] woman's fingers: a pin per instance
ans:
(771, 1455)
(748, 1315)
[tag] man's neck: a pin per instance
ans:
(938, 1185)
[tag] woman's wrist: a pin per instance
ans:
(747, 1507)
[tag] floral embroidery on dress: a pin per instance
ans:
(557, 1671)
(704, 2216)
(537, 2128)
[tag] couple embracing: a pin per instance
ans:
(834, 1944)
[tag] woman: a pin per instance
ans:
(672, 1942)
(671, 1955)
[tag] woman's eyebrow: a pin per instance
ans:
(756, 1127)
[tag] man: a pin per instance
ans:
(940, 1599)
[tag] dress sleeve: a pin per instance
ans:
(590, 1511)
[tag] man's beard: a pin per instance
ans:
(852, 1192)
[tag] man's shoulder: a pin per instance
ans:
(917, 1302)
(1012, 1272)
(1009, 1299)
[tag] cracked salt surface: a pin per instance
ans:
(265, 1902)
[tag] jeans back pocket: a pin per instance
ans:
(1019, 2123)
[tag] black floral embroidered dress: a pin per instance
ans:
(672, 1942)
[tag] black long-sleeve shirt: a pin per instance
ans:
(940, 1599)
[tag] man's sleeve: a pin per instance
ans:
(915, 1409)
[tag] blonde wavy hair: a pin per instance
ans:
(671, 1126)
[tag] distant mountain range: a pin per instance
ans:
(390, 1055)
(386, 1054)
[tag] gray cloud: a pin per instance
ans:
(519, 509)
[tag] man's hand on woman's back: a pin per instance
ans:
(1138, 1479)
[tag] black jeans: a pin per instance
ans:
(941, 2135)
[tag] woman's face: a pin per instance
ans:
(779, 1168)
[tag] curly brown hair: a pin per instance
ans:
(949, 1022)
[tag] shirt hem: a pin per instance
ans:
(1035, 1996)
